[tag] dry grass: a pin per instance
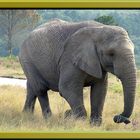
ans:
(11, 67)
(12, 119)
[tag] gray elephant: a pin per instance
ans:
(66, 56)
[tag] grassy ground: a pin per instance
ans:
(12, 101)
(12, 119)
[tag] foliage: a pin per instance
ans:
(25, 21)
(108, 20)
(14, 21)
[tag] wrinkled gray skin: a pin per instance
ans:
(66, 57)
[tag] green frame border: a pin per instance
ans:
(70, 135)
(131, 4)
(69, 3)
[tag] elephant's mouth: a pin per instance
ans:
(110, 68)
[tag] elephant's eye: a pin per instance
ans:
(111, 54)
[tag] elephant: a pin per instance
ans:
(67, 56)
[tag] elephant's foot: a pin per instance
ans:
(27, 110)
(121, 119)
(68, 113)
(47, 114)
(96, 121)
(80, 115)
(27, 114)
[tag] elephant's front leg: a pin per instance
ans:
(71, 88)
(97, 98)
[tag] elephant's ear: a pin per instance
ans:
(85, 55)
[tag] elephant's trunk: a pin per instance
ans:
(129, 87)
(128, 79)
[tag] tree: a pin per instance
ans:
(108, 20)
(13, 22)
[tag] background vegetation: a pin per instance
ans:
(15, 25)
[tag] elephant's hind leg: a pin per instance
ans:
(36, 87)
(30, 100)
(45, 106)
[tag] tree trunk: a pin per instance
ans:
(9, 32)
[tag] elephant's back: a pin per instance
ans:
(51, 37)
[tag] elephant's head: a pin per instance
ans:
(107, 48)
